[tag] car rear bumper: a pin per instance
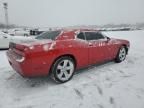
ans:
(18, 67)
(27, 68)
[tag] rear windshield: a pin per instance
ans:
(48, 35)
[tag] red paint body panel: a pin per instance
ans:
(40, 55)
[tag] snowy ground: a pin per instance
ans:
(109, 85)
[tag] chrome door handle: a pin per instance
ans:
(90, 44)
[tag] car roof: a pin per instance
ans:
(70, 33)
(79, 30)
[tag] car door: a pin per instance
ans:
(110, 47)
(106, 46)
(4, 41)
(98, 50)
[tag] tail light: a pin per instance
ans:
(12, 45)
(16, 46)
(20, 58)
(17, 51)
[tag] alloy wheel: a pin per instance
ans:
(122, 54)
(65, 70)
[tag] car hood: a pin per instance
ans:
(120, 40)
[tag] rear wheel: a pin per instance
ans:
(121, 55)
(63, 69)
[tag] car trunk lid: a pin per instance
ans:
(28, 44)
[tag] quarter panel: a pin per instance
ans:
(77, 48)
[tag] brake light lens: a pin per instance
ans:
(20, 59)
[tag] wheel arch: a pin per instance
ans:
(64, 55)
(126, 47)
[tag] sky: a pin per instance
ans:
(45, 13)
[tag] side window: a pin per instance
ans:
(99, 36)
(90, 36)
(93, 35)
(81, 36)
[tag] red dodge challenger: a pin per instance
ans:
(59, 53)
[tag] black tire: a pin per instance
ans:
(119, 58)
(54, 69)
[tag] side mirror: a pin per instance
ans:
(108, 39)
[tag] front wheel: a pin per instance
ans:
(121, 55)
(63, 69)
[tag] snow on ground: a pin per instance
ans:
(109, 85)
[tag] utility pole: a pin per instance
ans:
(6, 14)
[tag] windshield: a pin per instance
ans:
(48, 35)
